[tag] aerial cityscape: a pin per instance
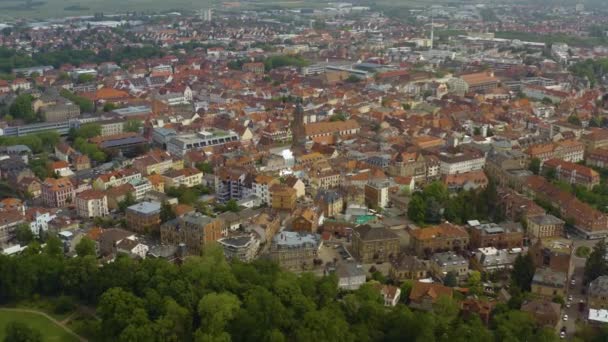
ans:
(303, 171)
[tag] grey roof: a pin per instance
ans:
(599, 286)
(236, 241)
(349, 269)
(369, 233)
(547, 219)
(145, 207)
(547, 277)
(448, 258)
(296, 239)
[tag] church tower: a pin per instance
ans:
(298, 140)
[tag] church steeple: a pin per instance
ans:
(298, 133)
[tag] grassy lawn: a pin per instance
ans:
(49, 330)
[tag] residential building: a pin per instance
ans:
(294, 250)
(194, 230)
(374, 244)
(423, 296)
(328, 132)
(132, 247)
(331, 203)
(116, 178)
(408, 267)
(376, 194)
(157, 162)
(91, 203)
(597, 158)
(572, 173)
(443, 237)
(306, 220)
(544, 226)
(9, 221)
(460, 162)
(60, 112)
(544, 312)
(449, 262)
(555, 254)
(350, 276)
(232, 183)
(112, 127)
(549, 283)
(143, 217)
(140, 187)
(490, 259)
(597, 293)
(243, 247)
(479, 307)
(390, 294)
(283, 197)
(504, 235)
(261, 187)
(57, 193)
(187, 177)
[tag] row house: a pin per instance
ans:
(187, 177)
(568, 150)
(587, 220)
(597, 158)
(443, 237)
(116, 178)
(573, 173)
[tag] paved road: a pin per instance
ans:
(576, 291)
(60, 324)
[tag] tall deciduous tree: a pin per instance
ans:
(523, 272)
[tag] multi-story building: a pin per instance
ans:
(597, 158)
(261, 187)
(157, 162)
(243, 247)
(294, 250)
(423, 295)
(8, 225)
(112, 127)
(548, 283)
(586, 219)
(568, 150)
(143, 217)
(572, 173)
(544, 312)
(443, 237)
(188, 177)
(460, 162)
(481, 81)
(449, 262)
(60, 112)
(140, 187)
(327, 132)
(544, 226)
(597, 293)
(376, 194)
(283, 197)
(194, 230)
(554, 254)
(331, 203)
(91, 203)
(116, 178)
(232, 183)
(57, 193)
(181, 144)
(372, 244)
(505, 235)
(408, 267)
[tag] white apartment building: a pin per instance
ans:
(91, 203)
(461, 162)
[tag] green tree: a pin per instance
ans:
(24, 234)
(109, 106)
(523, 272)
(416, 209)
(451, 279)
(53, 246)
(22, 108)
(128, 201)
(596, 264)
(86, 247)
(166, 212)
(216, 311)
(176, 324)
(575, 120)
(20, 332)
(117, 309)
(205, 167)
(534, 165)
(85, 78)
(474, 283)
(133, 126)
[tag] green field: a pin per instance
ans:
(50, 331)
